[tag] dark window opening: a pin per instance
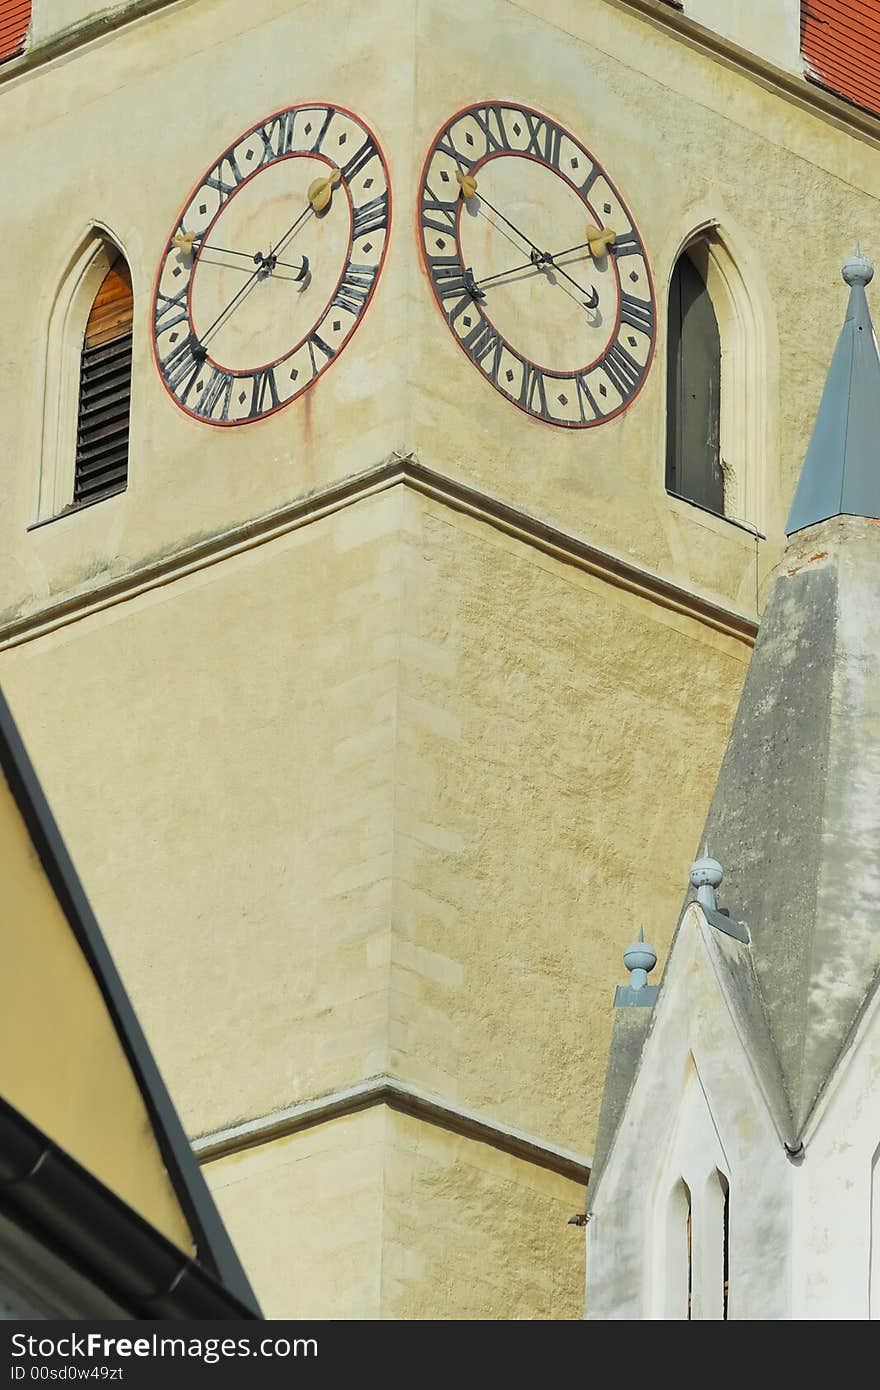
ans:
(693, 399)
(105, 391)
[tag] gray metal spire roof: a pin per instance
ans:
(841, 472)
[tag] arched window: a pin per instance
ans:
(719, 331)
(101, 466)
(693, 391)
(87, 399)
(679, 1272)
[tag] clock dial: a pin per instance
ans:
(537, 265)
(271, 264)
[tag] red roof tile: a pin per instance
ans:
(840, 40)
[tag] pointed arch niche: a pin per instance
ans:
(726, 323)
(84, 455)
(688, 1268)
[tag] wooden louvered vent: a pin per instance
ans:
(15, 18)
(105, 391)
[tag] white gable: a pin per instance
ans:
(695, 1119)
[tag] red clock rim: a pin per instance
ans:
(547, 372)
(252, 420)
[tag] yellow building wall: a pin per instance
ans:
(380, 1215)
(390, 790)
(61, 1062)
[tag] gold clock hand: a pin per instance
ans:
(320, 191)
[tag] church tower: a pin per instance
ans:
(401, 407)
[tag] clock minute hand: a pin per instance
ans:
(544, 258)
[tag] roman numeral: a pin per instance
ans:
(545, 139)
(277, 137)
(483, 342)
(588, 182)
(624, 371)
(180, 364)
(170, 309)
(437, 215)
(220, 385)
(635, 313)
(585, 394)
(354, 287)
(359, 160)
(218, 178)
(315, 342)
(533, 390)
(447, 272)
(264, 393)
(627, 245)
(483, 119)
(328, 117)
(370, 217)
(445, 146)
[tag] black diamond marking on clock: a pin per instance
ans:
(469, 138)
(368, 183)
(309, 128)
(174, 337)
(574, 164)
(440, 243)
(367, 247)
(444, 176)
(466, 321)
(563, 400)
(176, 271)
(242, 397)
(203, 207)
(517, 128)
(509, 374)
(602, 391)
(607, 207)
(337, 325)
(294, 374)
(634, 275)
(632, 341)
(343, 137)
(249, 155)
(200, 385)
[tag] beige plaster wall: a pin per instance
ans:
(367, 798)
(770, 28)
(306, 1216)
(379, 1215)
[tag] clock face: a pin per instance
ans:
(537, 264)
(271, 264)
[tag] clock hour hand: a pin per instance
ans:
(545, 258)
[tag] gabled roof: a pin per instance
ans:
(733, 964)
(76, 1072)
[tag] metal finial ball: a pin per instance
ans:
(706, 871)
(858, 270)
(640, 956)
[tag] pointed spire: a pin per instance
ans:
(841, 472)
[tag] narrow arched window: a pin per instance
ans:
(725, 1243)
(679, 1272)
(101, 466)
(693, 400)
